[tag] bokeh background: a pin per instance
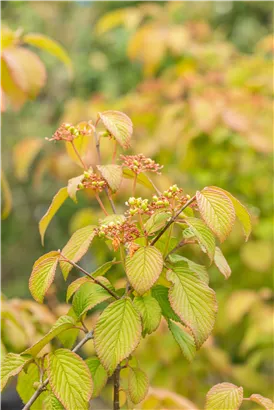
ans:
(196, 78)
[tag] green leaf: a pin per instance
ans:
(68, 337)
(160, 293)
(150, 312)
(63, 323)
(112, 218)
(119, 125)
(6, 196)
(156, 222)
(42, 275)
(241, 213)
(217, 211)
(142, 178)
(90, 295)
(45, 43)
(113, 174)
(25, 388)
(70, 379)
(102, 270)
(193, 301)
(263, 401)
(184, 340)
(203, 234)
(51, 403)
(76, 247)
(224, 396)
(137, 385)
(73, 186)
(56, 203)
(117, 333)
(144, 268)
(11, 365)
(99, 375)
(193, 266)
(221, 263)
(75, 285)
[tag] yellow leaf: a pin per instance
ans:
(23, 155)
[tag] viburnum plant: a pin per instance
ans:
(159, 282)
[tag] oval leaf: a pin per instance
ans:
(241, 213)
(113, 174)
(193, 301)
(156, 222)
(144, 268)
(63, 323)
(56, 203)
(76, 247)
(70, 379)
(73, 186)
(224, 396)
(184, 340)
(203, 235)
(150, 312)
(160, 293)
(221, 263)
(45, 43)
(51, 403)
(42, 275)
(137, 385)
(11, 365)
(89, 295)
(193, 266)
(98, 373)
(119, 125)
(217, 211)
(263, 401)
(117, 333)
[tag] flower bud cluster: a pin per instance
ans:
(93, 181)
(171, 199)
(139, 163)
(68, 132)
(137, 206)
(119, 233)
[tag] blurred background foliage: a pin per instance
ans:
(196, 79)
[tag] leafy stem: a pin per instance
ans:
(172, 220)
(35, 396)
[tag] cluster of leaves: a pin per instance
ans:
(159, 282)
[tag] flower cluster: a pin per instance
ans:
(119, 233)
(68, 132)
(137, 206)
(171, 199)
(139, 163)
(93, 181)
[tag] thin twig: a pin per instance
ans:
(88, 337)
(91, 277)
(78, 155)
(179, 245)
(116, 388)
(101, 204)
(172, 220)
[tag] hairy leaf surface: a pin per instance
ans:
(70, 379)
(76, 247)
(42, 275)
(137, 385)
(224, 396)
(56, 203)
(193, 301)
(221, 263)
(117, 333)
(11, 365)
(184, 340)
(89, 295)
(217, 211)
(98, 373)
(150, 312)
(119, 125)
(144, 268)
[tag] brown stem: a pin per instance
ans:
(180, 244)
(101, 204)
(116, 388)
(78, 155)
(88, 337)
(172, 220)
(91, 277)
